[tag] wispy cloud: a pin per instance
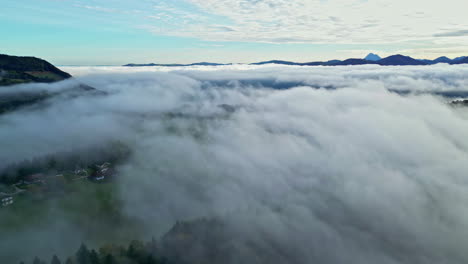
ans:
(314, 21)
(458, 33)
(98, 8)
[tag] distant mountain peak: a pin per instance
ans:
(372, 57)
(442, 59)
(459, 58)
(399, 59)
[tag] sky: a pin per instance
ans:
(115, 32)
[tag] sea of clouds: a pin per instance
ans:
(361, 164)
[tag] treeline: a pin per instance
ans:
(114, 152)
(136, 253)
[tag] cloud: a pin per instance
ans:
(98, 8)
(300, 21)
(326, 21)
(318, 164)
(457, 33)
(384, 25)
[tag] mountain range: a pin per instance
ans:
(176, 64)
(394, 60)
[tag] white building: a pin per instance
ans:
(6, 201)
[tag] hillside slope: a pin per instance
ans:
(16, 70)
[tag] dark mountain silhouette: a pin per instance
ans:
(175, 64)
(354, 62)
(461, 61)
(459, 58)
(429, 62)
(313, 63)
(277, 62)
(397, 60)
(394, 60)
(331, 62)
(442, 59)
(14, 70)
(281, 62)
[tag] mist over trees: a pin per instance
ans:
(54, 163)
(137, 252)
(360, 164)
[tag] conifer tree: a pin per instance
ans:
(37, 261)
(83, 255)
(109, 259)
(55, 260)
(94, 257)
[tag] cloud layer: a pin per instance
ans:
(418, 28)
(316, 164)
(332, 21)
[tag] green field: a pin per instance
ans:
(87, 211)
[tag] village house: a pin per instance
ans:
(81, 172)
(104, 165)
(99, 178)
(103, 172)
(6, 201)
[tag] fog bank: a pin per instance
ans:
(361, 164)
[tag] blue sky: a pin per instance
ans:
(114, 32)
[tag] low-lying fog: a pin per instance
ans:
(361, 164)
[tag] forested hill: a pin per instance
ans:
(15, 70)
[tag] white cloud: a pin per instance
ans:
(393, 26)
(327, 167)
(97, 8)
(338, 21)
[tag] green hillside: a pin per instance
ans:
(16, 70)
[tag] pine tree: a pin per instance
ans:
(109, 259)
(55, 260)
(83, 255)
(131, 252)
(153, 245)
(69, 261)
(38, 261)
(94, 257)
(150, 260)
